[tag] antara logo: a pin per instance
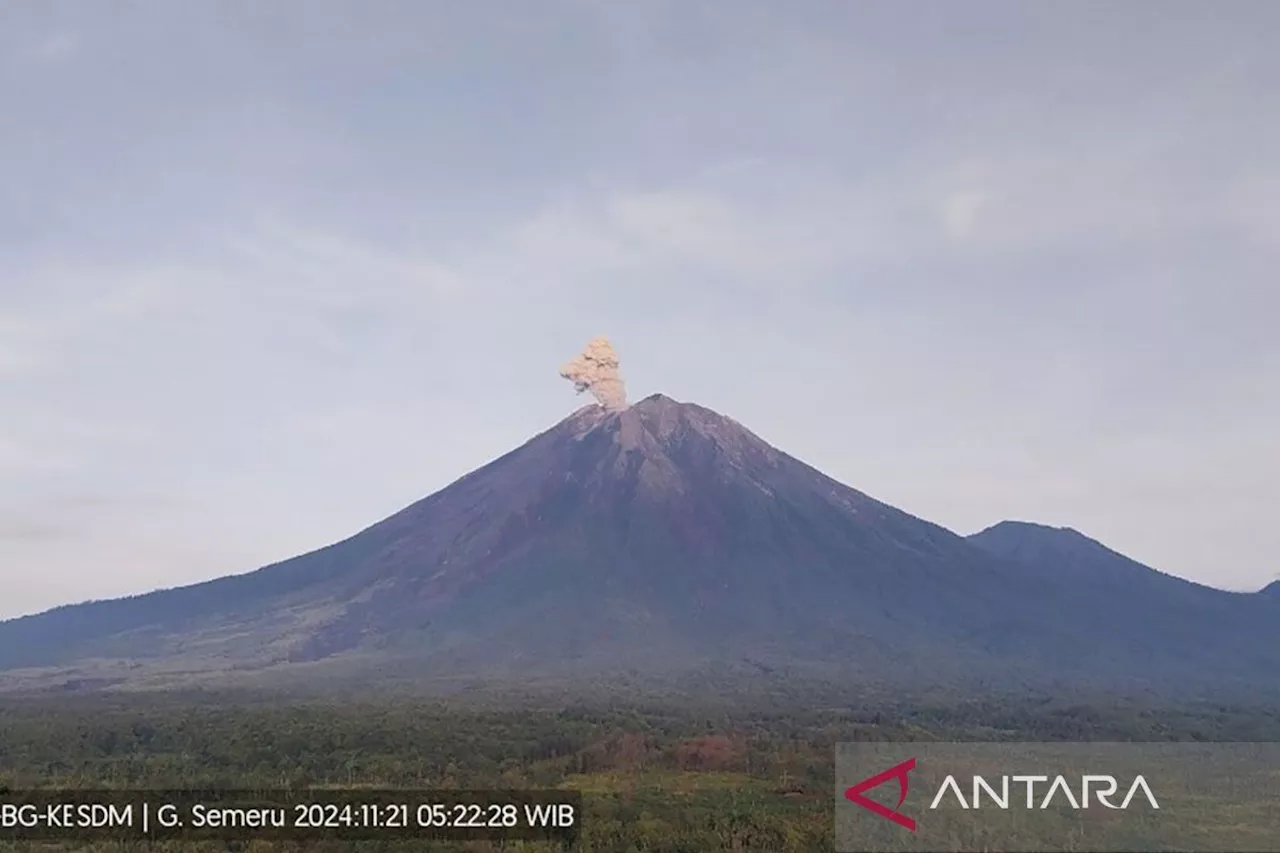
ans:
(899, 772)
(1105, 788)
(1101, 787)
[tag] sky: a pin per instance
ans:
(271, 271)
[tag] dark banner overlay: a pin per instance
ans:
(1050, 797)
(349, 815)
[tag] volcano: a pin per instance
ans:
(666, 538)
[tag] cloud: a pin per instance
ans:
(52, 48)
(1253, 207)
(339, 270)
(794, 236)
(19, 346)
(961, 212)
(235, 253)
(22, 455)
(1122, 190)
(163, 377)
(21, 530)
(273, 280)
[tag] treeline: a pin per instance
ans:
(659, 778)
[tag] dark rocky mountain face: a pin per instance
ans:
(1070, 555)
(663, 538)
(1174, 619)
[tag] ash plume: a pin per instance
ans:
(596, 370)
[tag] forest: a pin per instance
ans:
(663, 775)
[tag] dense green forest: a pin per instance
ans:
(656, 776)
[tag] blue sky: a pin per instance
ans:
(270, 271)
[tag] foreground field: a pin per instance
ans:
(666, 776)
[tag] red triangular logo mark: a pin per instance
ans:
(899, 772)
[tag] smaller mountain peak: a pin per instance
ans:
(1023, 537)
(1272, 589)
(1030, 527)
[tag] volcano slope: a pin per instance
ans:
(667, 539)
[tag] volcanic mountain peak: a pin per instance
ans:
(1272, 589)
(661, 535)
(666, 432)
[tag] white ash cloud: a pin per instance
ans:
(596, 370)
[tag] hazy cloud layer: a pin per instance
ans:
(999, 261)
